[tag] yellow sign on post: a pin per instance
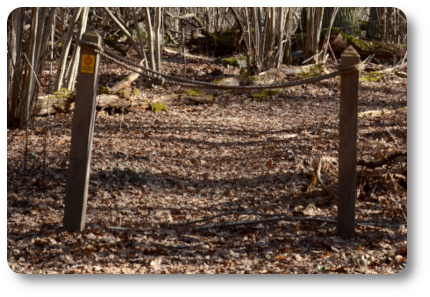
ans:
(87, 63)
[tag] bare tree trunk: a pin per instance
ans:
(267, 32)
(291, 24)
(150, 38)
(14, 77)
(59, 80)
(158, 38)
(313, 29)
(327, 34)
(29, 76)
(281, 31)
(125, 31)
(25, 59)
(139, 34)
(74, 63)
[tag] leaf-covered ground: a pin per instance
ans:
(212, 188)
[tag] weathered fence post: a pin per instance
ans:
(82, 136)
(347, 146)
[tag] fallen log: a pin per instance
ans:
(381, 51)
(126, 82)
(52, 104)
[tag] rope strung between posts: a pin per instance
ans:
(176, 80)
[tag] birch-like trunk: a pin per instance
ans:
(150, 38)
(74, 63)
(158, 38)
(65, 49)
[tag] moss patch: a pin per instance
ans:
(136, 92)
(193, 92)
(360, 43)
(233, 61)
(103, 90)
(265, 94)
(312, 71)
(371, 76)
(65, 93)
(159, 107)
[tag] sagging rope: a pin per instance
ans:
(176, 80)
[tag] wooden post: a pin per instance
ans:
(82, 136)
(347, 146)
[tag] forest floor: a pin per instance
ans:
(213, 187)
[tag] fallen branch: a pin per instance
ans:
(322, 162)
(224, 214)
(189, 56)
(299, 219)
(127, 81)
(389, 158)
(185, 16)
(49, 105)
(282, 218)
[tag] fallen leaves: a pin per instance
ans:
(170, 192)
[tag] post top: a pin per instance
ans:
(92, 32)
(350, 51)
(92, 35)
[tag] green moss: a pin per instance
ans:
(315, 70)
(125, 92)
(265, 93)
(65, 93)
(371, 76)
(401, 74)
(193, 92)
(233, 61)
(103, 90)
(362, 44)
(136, 92)
(159, 107)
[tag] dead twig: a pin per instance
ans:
(378, 163)
(275, 219)
(224, 214)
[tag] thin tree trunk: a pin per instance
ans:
(327, 34)
(139, 34)
(313, 28)
(74, 63)
(125, 31)
(65, 49)
(150, 38)
(158, 38)
(29, 77)
(14, 78)
(281, 30)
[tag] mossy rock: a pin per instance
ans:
(65, 93)
(159, 107)
(103, 90)
(137, 92)
(371, 76)
(193, 92)
(195, 96)
(265, 93)
(314, 70)
(360, 43)
(233, 61)
(126, 92)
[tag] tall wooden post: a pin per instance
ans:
(82, 136)
(347, 146)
